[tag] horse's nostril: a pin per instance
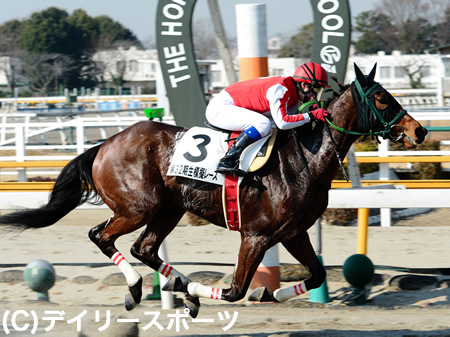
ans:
(421, 133)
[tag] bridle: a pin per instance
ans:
(366, 106)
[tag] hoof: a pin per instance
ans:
(134, 295)
(175, 284)
(192, 304)
(130, 304)
(262, 295)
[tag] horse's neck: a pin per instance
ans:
(325, 164)
(344, 116)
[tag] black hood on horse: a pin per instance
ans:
(364, 89)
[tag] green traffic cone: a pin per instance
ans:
(156, 288)
(320, 295)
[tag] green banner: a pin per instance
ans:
(332, 36)
(177, 59)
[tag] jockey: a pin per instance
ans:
(252, 106)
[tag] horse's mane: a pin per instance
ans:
(336, 95)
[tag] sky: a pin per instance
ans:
(284, 17)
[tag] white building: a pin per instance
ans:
(138, 68)
(392, 70)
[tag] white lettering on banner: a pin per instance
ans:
(174, 80)
(173, 12)
(322, 8)
(179, 12)
(331, 23)
(173, 51)
(171, 30)
(177, 65)
(174, 56)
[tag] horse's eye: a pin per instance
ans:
(382, 101)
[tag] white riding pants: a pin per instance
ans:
(222, 113)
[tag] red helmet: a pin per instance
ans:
(313, 73)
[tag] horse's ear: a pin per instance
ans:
(360, 76)
(372, 73)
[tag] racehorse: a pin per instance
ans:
(279, 202)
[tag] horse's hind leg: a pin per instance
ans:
(104, 236)
(147, 246)
(300, 247)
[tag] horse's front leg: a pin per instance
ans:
(300, 247)
(251, 253)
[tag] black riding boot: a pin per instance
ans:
(229, 164)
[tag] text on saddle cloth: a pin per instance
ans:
(198, 152)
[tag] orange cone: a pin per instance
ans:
(268, 273)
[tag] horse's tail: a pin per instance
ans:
(73, 187)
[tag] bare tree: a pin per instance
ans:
(204, 40)
(149, 43)
(44, 69)
(401, 11)
(414, 70)
(418, 24)
(111, 66)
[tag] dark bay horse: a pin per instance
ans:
(279, 202)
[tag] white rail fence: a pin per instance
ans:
(15, 126)
(338, 198)
(23, 132)
(20, 133)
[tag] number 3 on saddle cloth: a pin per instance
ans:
(197, 153)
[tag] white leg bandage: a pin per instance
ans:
(168, 271)
(199, 290)
(284, 294)
(130, 273)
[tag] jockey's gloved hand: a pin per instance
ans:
(319, 114)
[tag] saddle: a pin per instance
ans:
(197, 153)
(264, 152)
(230, 191)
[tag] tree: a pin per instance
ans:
(74, 38)
(42, 70)
(299, 45)
(46, 32)
(441, 33)
(415, 36)
(414, 70)
(83, 29)
(204, 40)
(377, 33)
(420, 24)
(10, 64)
(115, 31)
(113, 64)
(400, 11)
(9, 32)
